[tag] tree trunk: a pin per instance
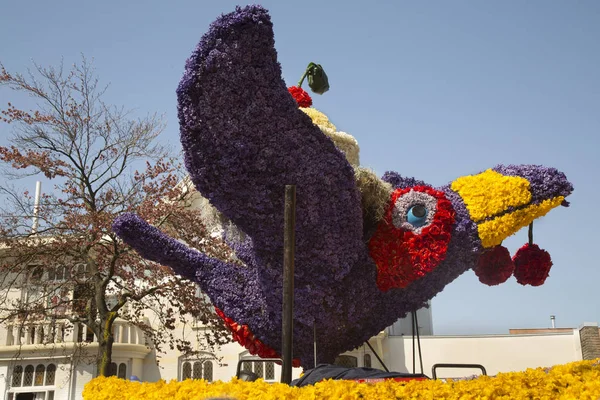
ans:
(105, 345)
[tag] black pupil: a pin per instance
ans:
(418, 211)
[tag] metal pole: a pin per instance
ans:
(36, 207)
(412, 321)
(315, 342)
(419, 341)
(289, 244)
(377, 356)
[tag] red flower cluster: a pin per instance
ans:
(532, 265)
(301, 96)
(403, 256)
(243, 335)
(494, 266)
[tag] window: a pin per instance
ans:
(50, 374)
(81, 294)
(262, 369)
(122, 371)
(51, 274)
(44, 394)
(269, 371)
(208, 370)
(367, 360)
(40, 370)
(41, 375)
(28, 377)
(31, 335)
(186, 371)
(83, 270)
(59, 273)
(36, 273)
(85, 332)
(199, 369)
(247, 366)
(17, 376)
(346, 361)
(258, 368)
(57, 300)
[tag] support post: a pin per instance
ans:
(289, 244)
(378, 358)
(315, 342)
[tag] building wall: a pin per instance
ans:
(404, 326)
(4, 376)
(82, 374)
(224, 363)
(497, 353)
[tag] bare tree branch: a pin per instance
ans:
(73, 267)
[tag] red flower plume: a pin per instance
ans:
(301, 97)
(532, 265)
(244, 336)
(494, 266)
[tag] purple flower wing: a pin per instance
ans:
(222, 281)
(244, 139)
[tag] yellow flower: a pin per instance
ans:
(506, 212)
(318, 118)
(578, 380)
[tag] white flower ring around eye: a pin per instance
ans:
(414, 211)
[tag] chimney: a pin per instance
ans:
(590, 340)
(552, 321)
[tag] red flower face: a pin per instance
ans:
(243, 335)
(412, 239)
(301, 97)
(532, 265)
(494, 266)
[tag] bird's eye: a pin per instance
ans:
(417, 215)
(414, 210)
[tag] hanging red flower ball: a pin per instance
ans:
(494, 266)
(532, 265)
(301, 96)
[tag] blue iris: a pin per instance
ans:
(417, 215)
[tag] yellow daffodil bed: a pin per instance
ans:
(578, 380)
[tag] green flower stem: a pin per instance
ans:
(530, 234)
(306, 71)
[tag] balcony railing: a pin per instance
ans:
(53, 333)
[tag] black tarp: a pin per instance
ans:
(327, 371)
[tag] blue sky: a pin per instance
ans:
(434, 90)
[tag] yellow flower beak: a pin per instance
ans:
(501, 204)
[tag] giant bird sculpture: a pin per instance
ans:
(244, 138)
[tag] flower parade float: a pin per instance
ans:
(369, 249)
